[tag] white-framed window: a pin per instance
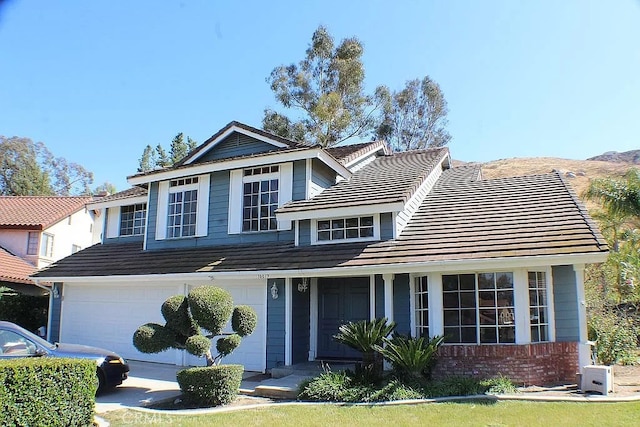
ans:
(183, 206)
(421, 293)
(75, 248)
(132, 219)
(32, 243)
(46, 245)
(351, 229)
(260, 198)
(538, 306)
(254, 195)
(479, 308)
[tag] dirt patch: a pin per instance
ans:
(178, 403)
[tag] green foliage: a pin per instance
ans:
(618, 196)
(411, 357)
(616, 337)
(175, 311)
(498, 385)
(198, 345)
(415, 117)
(211, 307)
(47, 392)
(211, 385)
(158, 157)
(244, 320)
(153, 338)
(226, 345)
(28, 168)
(453, 386)
(28, 311)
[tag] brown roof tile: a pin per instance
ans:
(14, 269)
(346, 153)
(121, 195)
(37, 212)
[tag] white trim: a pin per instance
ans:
(313, 319)
(308, 170)
(584, 349)
(161, 210)
(118, 202)
(202, 213)
(287, 321)
(375, 237)
(350, 211)
(285, 192)
(146, 223)
(551, 309)
(113, 222)
(436, 305)
(380, 146)
(413, 204)
(228, 132)
(234, 221)
(372, 296)
(388, 296)
(242, 163)
(457, 266)
(521, 306)
(296, 237)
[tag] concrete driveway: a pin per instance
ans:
(147, 383)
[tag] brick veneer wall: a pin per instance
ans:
(528, 364)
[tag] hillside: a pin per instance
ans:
(577, 172)
(632, 156)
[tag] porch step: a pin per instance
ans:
(281, 388)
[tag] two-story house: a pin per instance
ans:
(312, 238)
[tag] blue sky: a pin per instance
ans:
(97, 81)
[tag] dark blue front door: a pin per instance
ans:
(340, 300)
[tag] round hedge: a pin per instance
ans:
(227, 344)
(198, 345)
(152, 338)
(211, 385)
(244, 320)
(211, 307)
(175, 311)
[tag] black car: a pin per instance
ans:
(16, 341)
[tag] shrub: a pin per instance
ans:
(28, 311)
(47, 392)
(411, 357)
(454, 386)
(198, 345)
(211, 385)
(244, 320)
(498, 385)
(328, 386)
(153, 338)
(226, 345)
(615, 337)
(175, 311)
(211, 306)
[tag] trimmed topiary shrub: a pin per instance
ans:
(153, 338)
(244, 320)
(47, 392)
(211, 385)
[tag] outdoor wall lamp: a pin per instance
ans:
(274, 291)
(304, 285)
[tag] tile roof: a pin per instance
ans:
(14, 269)
(37, 212)
(388, 179)
(346, 153)
(121, 195)
(461, 219)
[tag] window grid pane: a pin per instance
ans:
(538, 306)
(459, 308)
(345, 228)
(32, 243)
(183, 208)
(422, 307)
(260, 201)
(132, 219)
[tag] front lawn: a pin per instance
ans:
(505, 413)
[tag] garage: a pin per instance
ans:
(107, 315)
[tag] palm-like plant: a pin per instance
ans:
(412, 357)
(363, 336)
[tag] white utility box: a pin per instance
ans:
(598, 379)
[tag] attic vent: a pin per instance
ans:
(261, 170)
(184, 181)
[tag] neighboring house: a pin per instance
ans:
(15, 272)
(312, 238)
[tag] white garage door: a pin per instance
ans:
(107, 316)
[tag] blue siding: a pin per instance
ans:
(300, 306)
(565, 303)
(236, 145)
(304, 236)
(386, 226)
(219, 188)
(379, 296)
(275, 324)
(299, 180)
(56, 310)
(117, 239)
(401, 312)
(322, 174)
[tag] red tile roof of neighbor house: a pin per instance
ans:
(38, 212)
(14, 269)
(463, 218)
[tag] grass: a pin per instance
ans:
(505, 413)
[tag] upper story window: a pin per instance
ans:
(335, 230)
(32, 243)
(132, 219)
(260, 197)
(46, 245)
(183, 206)
(478, 308)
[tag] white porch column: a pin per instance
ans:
(521, 306)
(584, 349)
(388, 296)
(436, 321)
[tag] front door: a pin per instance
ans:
(340, 300)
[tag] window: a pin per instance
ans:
(538, 306)
(422, 307)
(345, 228)
(478, 308)
(132, 219)
(260, 197)
(75, 248)
(32, 243)
(183, 208)
(46, 245)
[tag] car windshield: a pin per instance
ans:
(33, 337)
